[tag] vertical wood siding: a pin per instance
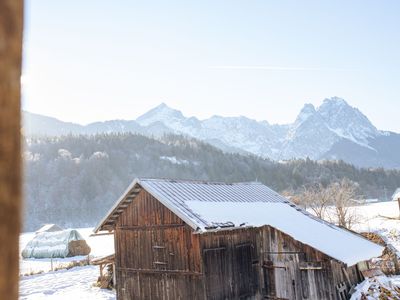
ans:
(157, 256)
(293, 270)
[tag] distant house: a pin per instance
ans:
(396, 195)
(49, 228)
(60, 244)
(202, 240)
(371, 200)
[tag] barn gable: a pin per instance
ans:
(206, 206)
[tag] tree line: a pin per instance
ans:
(74, 180)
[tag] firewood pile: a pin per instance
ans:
(388, 262)
(106, 280)
(378, 288)
(106, 264)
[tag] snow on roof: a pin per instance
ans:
(205, 205)
(396, 194)
(49, 228)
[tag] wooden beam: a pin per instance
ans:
(11, 25)
(155, 226)
(101, 233)
(151, 271)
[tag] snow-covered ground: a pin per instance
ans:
(76, 283)
(377, 216)
(382, 218)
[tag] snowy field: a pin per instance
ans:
(377, 216)
(100, 246)
(380, 218)
(77, 283)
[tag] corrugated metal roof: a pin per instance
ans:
(176, 194)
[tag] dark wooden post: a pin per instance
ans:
(398, 201)
(11, 20)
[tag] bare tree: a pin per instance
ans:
(334, 203)
(11, 17)
(315, 198)
(343, 194)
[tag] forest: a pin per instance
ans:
(74, 180)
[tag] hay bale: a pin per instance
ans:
(78, 247)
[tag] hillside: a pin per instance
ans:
(74, 180)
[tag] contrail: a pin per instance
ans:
(274, 68)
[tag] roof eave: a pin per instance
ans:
(154, 193)
(116, 205)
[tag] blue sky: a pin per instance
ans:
(95, 60)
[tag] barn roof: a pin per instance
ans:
(209, 205)
(396, 194)
(49, 228)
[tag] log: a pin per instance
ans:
(11, 25)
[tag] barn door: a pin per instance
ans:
(217, 275)
(280, 277)
(245, 280)
(276, 281)
(313, 280)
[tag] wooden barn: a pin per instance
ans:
(201, 240)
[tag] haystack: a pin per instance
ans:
(60, 244)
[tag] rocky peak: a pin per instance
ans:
(162, 113)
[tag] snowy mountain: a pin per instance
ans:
(347, 122)
(334, 130)
(308, 136)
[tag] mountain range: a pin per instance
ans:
(334, 130)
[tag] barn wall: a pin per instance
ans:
(158, 256)
(253, 263)
(292, 270)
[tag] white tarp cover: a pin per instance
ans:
(51, 244)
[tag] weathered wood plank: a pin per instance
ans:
(11, 26)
